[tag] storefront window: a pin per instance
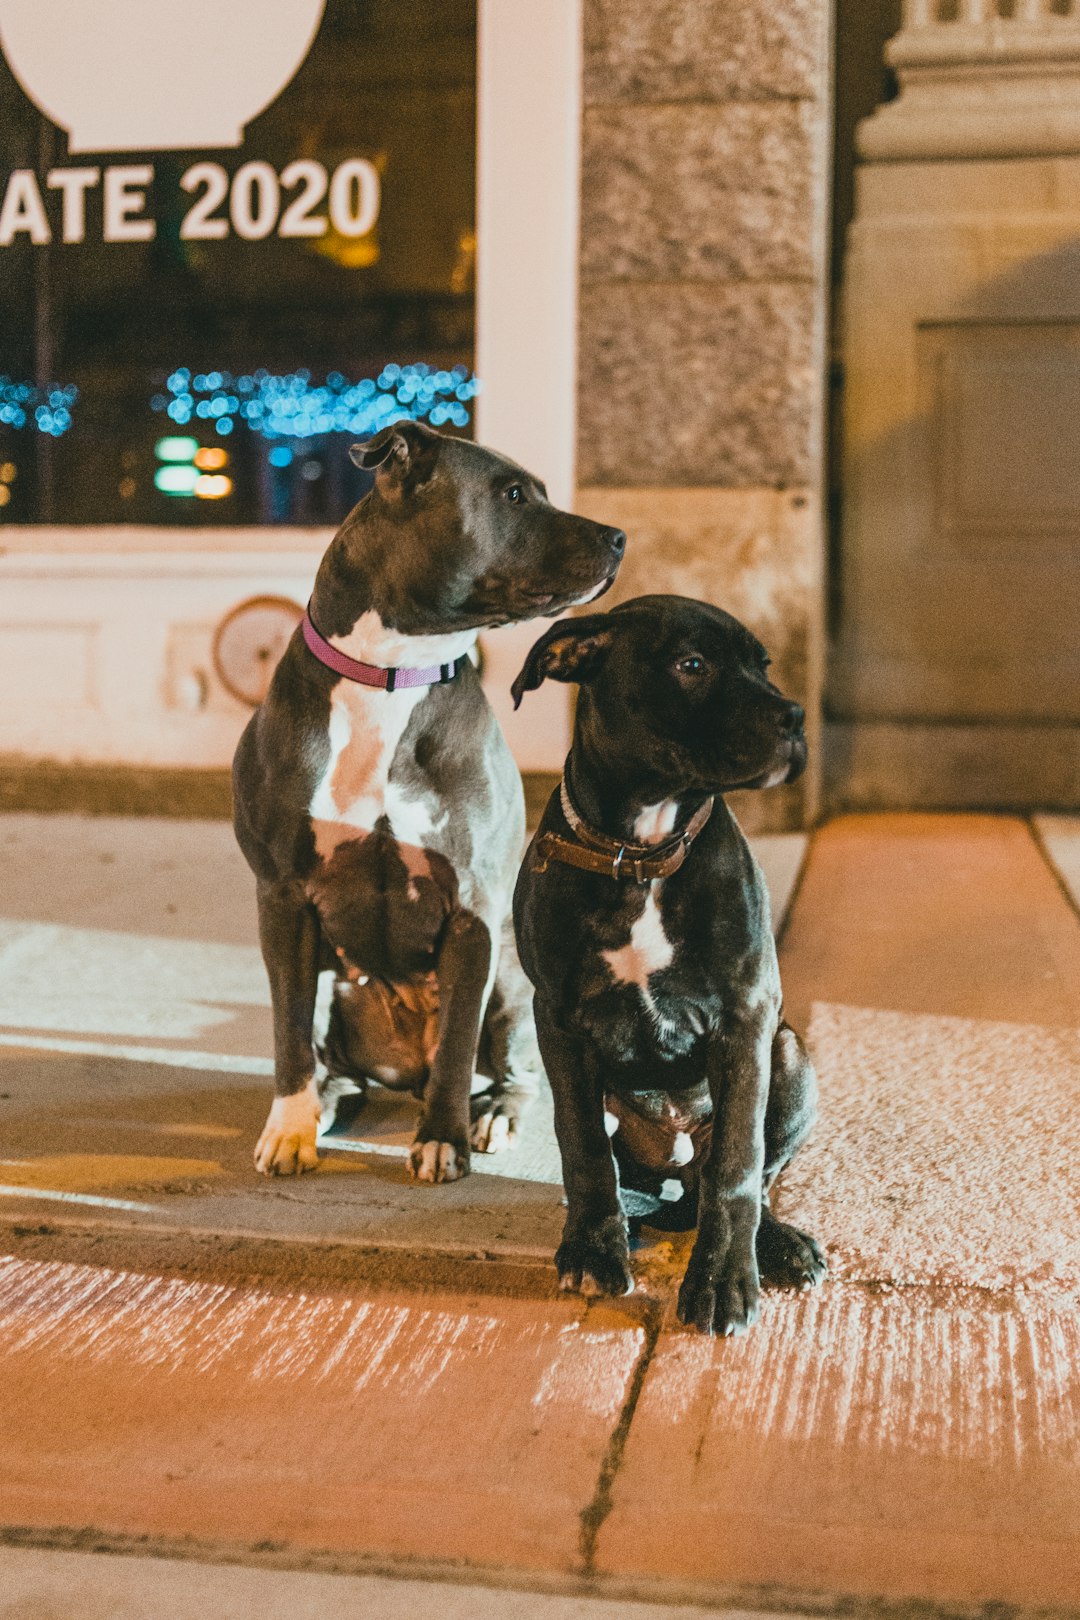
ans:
(193, 335)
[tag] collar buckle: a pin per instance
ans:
(595, 852)
(631, 867)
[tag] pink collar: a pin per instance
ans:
(391, 680)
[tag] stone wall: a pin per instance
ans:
(701, 361)
(955, 674)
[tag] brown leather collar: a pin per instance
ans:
(596, 852)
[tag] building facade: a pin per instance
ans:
(955, 675)
(619, 241)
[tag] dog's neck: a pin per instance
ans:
(623, 804)
(361, 622)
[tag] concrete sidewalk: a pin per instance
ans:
(384, 1375)
(135, 1038)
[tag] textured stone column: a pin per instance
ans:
(701, 371)
(996, 80)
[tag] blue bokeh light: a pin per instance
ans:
(292, 407)
(47, 410)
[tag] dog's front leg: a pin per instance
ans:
(289, 935)
(513, 1053)
(441, 1149)
(719, 1293)
(594, 1255)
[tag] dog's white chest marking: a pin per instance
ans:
(656, 822)
(365, 728)
(647, 951)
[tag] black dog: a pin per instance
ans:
(379, 806)
(643, 922)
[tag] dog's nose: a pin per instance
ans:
(617, 541)
(791, 720)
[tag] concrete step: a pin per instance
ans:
(443, 1426)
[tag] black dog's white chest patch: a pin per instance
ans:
(642, 989)
(648, 949)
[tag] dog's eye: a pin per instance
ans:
(691, 665)
(515, 495)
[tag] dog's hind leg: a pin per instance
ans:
(342, 1091)
(792, 1107)
(511, 1054)
(787, 1257)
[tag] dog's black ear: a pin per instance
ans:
(405, 451)
(572, 650)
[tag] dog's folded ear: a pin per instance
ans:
(572, 650)
(405, 451)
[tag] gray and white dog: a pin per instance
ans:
(378, 805)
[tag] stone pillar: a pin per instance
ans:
(701, 364)
(981, 79)
(956, 678)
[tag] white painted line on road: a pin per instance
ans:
(76, 1198)
(347, 1144)
(221, 1062)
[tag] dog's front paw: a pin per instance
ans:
(287, 1144)
(497, 1122)
(788, 1258)
(438, 1161)
(720, 1294)
(596, 1262)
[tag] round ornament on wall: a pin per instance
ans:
(249, 642)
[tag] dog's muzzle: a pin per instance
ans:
(797, 756)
